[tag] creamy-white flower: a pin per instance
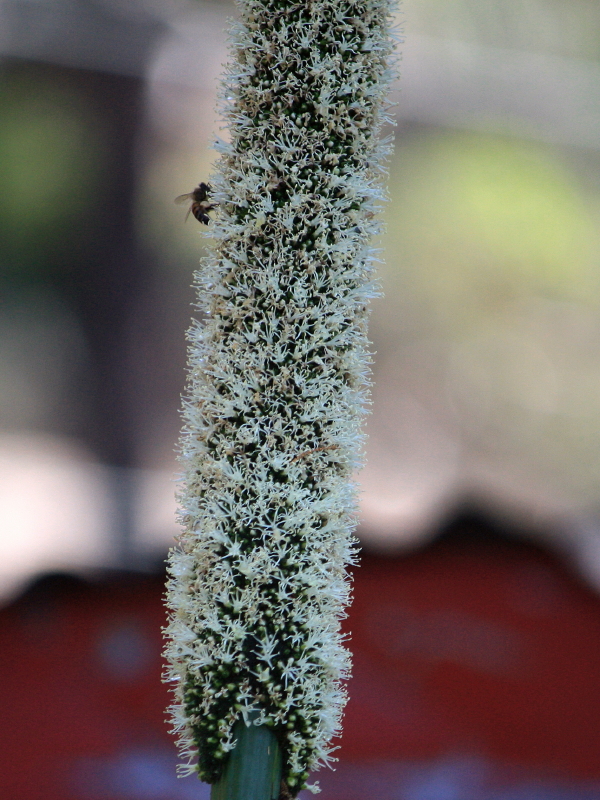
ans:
(278, 380)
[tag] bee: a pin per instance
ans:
(201, 203)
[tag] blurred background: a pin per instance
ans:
(476, 619)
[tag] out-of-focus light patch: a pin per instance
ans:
(155, 511)
(55, 510)
(410, 473)
(456, 83)
(184, 73)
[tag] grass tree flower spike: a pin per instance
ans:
(278, 382)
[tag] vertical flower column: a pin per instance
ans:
(278, 380)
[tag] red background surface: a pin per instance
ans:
(478, 646)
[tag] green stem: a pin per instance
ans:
(253, 769)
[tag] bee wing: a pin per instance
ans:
(188, 213)
(184, 198)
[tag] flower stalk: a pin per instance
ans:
(254, 766)
(278, 383)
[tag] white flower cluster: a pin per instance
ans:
(278, 383)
